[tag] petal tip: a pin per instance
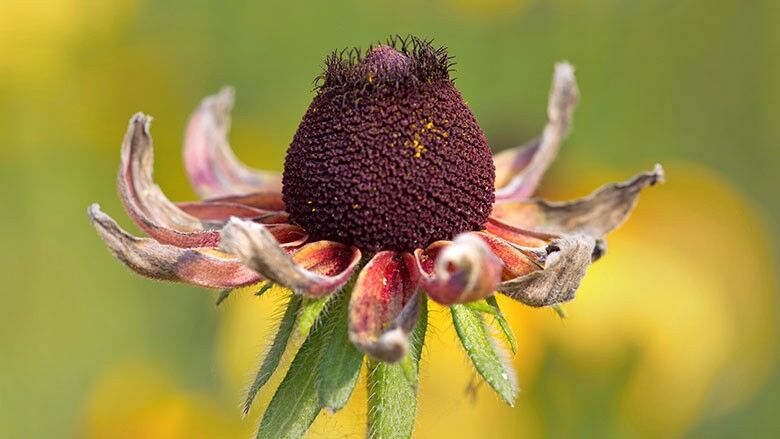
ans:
(659, 176)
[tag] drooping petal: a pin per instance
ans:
(566, 263)
(315, 270)
(460, 271)
(145, 202)
(596, 214)
(212, 167)
(519, 170)
(206, 267)
(385, 306)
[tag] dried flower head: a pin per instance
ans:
(389, 196)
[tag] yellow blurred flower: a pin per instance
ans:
(142, 401)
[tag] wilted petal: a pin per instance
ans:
(518, 261)
(519, 171)
(385, 306)
(458, 272)
(315, 270)
(145, 202)
(567, 260)
(219, 212)
(258, 200)
(212, 167)
(205, 267)
(596, 214)
(517, 235)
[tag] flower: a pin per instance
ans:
(388, 181)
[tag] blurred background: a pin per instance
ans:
(673, 334)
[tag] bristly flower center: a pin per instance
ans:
(388, 156)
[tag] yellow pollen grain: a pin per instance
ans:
(356, 206)
(417, 138)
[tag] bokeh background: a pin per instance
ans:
(673, 334)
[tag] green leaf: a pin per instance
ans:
(274, 354)
(392, 388)
(560, 310)
(410, 363)
(502, 323)
(485, 353)
(296, 403)
(265, 287)
(224, 294)
(340, 367)
(490, 306)
(311, 312)
(392, 402)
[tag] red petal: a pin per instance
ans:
(384, 306)
(317, 269)
(458, 272)
(517, 261)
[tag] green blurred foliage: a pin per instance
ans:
(661, 81)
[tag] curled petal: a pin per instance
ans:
(596, 214)
(205, 267)
(524, 166)
(518, 261)
(146, 203)
(317, 269)
(385, 306)
(212, 167)
(458, 272)
(566, 263)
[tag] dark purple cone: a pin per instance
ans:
(388, 156)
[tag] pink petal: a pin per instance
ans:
(212, 167)
(317, 269)
(145, 202)
(461, 271)
(519, 170)
(258, 200)
(596, 214)
(219, 212)
(205, 267)
(385, 306)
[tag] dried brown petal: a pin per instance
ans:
(596, 214)
(206, 267)
(567, 260)
(525, 165)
